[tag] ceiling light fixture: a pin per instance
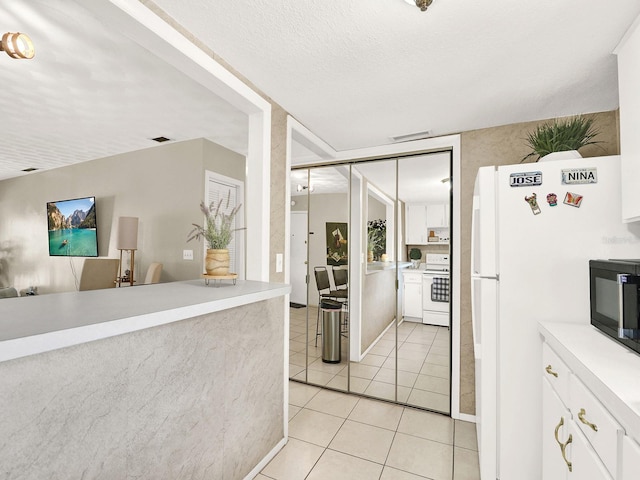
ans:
(421, 4)
(17, 45)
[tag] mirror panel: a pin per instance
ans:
(373, 364)
(362, 219)
(424, 335)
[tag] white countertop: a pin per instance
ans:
(373, 267)
(610, 370)
(36, 324)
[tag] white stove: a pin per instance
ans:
(437, 262)
(436, 290)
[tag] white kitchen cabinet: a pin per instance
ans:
(416, 224)
(589, 382)
(438, 215)
(628, 80)
(555, 433)
(566, 452)
(421, 218)
(412, 290)
(630, 459)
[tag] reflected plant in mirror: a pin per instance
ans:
(376, 238)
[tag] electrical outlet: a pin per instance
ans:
(278, 262)
(187, 254)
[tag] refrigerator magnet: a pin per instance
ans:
(552, 199)
(573, 199)
(572, 176)
(533, 203)
(525, 179)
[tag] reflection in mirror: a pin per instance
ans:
(373, 361)
(424, 359)
(393, 329)
(325, 199)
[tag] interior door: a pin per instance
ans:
(298, 258)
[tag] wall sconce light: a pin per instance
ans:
(300, 188)
(421, 4)
(17, 45)
(127, 240)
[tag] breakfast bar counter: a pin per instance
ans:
(152, 381)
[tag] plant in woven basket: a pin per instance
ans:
(217, 229)
(559, 136)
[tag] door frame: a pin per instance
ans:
(322, 153)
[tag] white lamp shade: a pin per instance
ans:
(127, 233)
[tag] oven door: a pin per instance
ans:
(615, 307)
(435, 299)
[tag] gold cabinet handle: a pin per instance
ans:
(563, 446)
(581, 414)
(563, 449)
(550, 371)
(557, 430)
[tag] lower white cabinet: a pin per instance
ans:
(555, 434)
(566, 453)
(630, 459)
(412, 294)
(581, 438)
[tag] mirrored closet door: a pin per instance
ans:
(370, 278)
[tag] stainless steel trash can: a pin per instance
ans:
(331, 320)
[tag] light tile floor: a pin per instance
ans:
(336, 436)
(423, 363)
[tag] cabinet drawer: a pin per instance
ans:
(557, 372)
(585, 464)
(598, 426)
(630, 459)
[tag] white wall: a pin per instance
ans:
(163, 186)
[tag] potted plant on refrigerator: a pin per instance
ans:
(217, 231)
(567, 137)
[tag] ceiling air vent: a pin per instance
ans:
(411, 136)
(161, 139)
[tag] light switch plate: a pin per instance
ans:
(187, 254)
(278, 262)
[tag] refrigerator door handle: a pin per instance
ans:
(485, 277)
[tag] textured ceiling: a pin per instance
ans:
(90, 93)
(358, 72)
(354, 72)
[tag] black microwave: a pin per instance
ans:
(615, 299)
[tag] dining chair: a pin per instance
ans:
(324, 291)
(99, 273)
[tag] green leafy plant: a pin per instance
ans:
(415, 254)
(560, 136)
(374, 240)
(216, 230)
(377, 237)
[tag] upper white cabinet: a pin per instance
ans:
(416, 224)
(422, 219)
(628, 81)
(438, 215)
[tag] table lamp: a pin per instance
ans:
(127, 240)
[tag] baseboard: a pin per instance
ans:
(268, 457)
(467, 418)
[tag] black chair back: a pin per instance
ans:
(340, 277)
(322, 278)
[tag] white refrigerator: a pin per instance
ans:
(530, 263)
